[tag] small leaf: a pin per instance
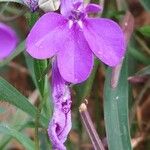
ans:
(145, 30)
(25, 141)
(116, 111)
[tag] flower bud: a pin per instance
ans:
(49, 5)
(32, 4)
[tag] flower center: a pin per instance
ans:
(76, 16)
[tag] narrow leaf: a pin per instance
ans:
(9, 94)
(145, 30)
(138, 54)
(116, 111)
(25, 141)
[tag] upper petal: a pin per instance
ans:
(106, 40)
(75, 60)
(8, 40)
(68, 5)
(93, 8)
(43, 38)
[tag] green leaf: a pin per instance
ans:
(116, 111)
(145, 4)
(9, 94)
(39, 68)
(138, 55)
(145, 30)
(43, 86)
(30, 65)
(25, 141)
(17, 124)
(19, 49)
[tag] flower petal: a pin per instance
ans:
(60, 123)
(93, 8)
(68, 5)
(75, 61)
(8, 40)
(43, 39)
(105, 39)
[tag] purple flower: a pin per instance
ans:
(60, 123)
(8, 40)
(74, 37)
(32, 4)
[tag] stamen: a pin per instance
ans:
(70, 24)
(80, 24)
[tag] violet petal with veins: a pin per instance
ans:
(73, 37)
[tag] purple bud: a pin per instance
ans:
(60, 123)
(32, 4)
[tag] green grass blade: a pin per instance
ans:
(116, 111)
(9, 94)
(25, 141)
(145, 30)
(138, 55)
